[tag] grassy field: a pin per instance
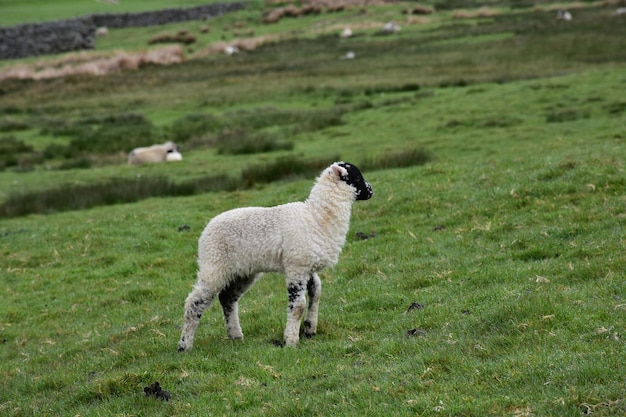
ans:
(32, 11)
(493, 278)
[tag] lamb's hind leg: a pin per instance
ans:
(295, 310)
(314, 291)
(198, 300)
(229, 298)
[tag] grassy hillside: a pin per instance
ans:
(32, 11)
(492, 280)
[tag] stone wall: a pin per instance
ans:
(162, 17)
(46, 38)
(77, 34)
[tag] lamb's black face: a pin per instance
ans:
(355, 179)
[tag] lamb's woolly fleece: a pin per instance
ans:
(292, 238)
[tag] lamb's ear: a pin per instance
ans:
(339, 171)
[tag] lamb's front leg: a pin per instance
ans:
(295, 310)
(314, 291)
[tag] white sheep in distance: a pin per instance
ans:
(391, 27)
(153, 154)
(349, 55)
(564, 15)
(102, 31)
(298, 239)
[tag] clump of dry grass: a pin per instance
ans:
(308, 7)
(274, 15)
(417, 20)
(243, 44)
(419, 9)
(472, 14)
(183, 36)
(93, 63)
(564, 6)
(243, 33)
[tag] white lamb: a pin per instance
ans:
(153, 154)
(298, 239)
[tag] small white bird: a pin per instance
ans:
(346, 33)
(349, 55)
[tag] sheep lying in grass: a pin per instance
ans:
(298, 239)
(154, 153)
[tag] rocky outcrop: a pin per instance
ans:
(46, 38)
(77, 34)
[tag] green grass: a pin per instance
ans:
(31, 11)
(506, 223)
